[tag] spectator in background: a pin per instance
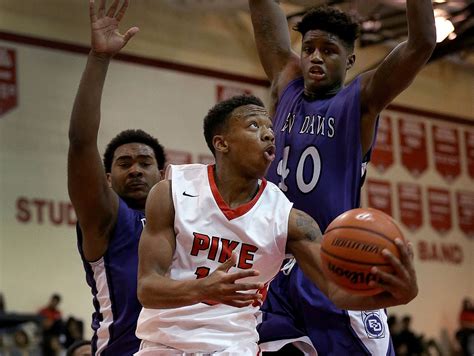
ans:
(80, 348)
(408, 343)
(2, 304)
(394, 327)
(22, 345)
(73, 332)
(50, 312)
(52, 326)
(465, 333)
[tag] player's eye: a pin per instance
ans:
(254, 125)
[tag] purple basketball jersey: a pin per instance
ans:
(113, 282)
(319, 166)
(318, 159)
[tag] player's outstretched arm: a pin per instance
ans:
(156, 249)
(280, 62)
(304, 240)
(399, 68)
(94, 202)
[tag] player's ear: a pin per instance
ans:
(220, 144)
(350, 61)
(109, 179)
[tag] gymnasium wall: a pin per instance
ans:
(422, 174)
(38, 254)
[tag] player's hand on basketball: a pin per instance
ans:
(223, 287)
(401, 284)
(106, 38)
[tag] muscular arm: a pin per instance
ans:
(304, 242)
(279, 61)
(399, 68)
(156, 249)
(95, 203)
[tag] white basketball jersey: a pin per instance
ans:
(207, 231)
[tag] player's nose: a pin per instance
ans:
(268, 135)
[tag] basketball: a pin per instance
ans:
(353, 243)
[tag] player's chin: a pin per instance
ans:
(263, 171)
(137, 194)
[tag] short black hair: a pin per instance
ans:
(332, 20)
(133, 136)
(217, 116)
(56, 296)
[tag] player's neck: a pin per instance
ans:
(235, 190)
(313, 94)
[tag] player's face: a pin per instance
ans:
(84, 350)
(134, 172)
(251, 140)
(324, 62)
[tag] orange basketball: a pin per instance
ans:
(353, 243)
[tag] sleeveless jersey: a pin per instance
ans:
(318, 159)
(207, 231)
(113, 282)
(320, 168)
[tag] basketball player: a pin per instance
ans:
(109, 205)
(324, 133)
(216, 235)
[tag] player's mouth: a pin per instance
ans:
(316, 73)
(269, 153)
(136, 184)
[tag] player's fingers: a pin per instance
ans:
(243, 296)
(411, 253)
(384, 279)
(246, 286)
(228, 263)
(113, 8)
(400, 269)
(92, 14)
(101, 11)
(232, 277)
(404, 252)
(130, 33)
(121, 12)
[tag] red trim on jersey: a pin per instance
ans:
(228, 212)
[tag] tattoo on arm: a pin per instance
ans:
(308, 227)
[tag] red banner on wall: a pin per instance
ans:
(413, 146)
(382, 155)
(446, 152)
(379, 195)
(8, 87)
(469, 139)
(439, 203)
(410, 205)
(465, 202)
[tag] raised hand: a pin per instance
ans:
(401, 285)
(221, 287)
(106, 39)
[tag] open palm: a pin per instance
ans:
(105, 35)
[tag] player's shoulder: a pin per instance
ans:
(273, 190)
(173, 169)
(351, 86)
